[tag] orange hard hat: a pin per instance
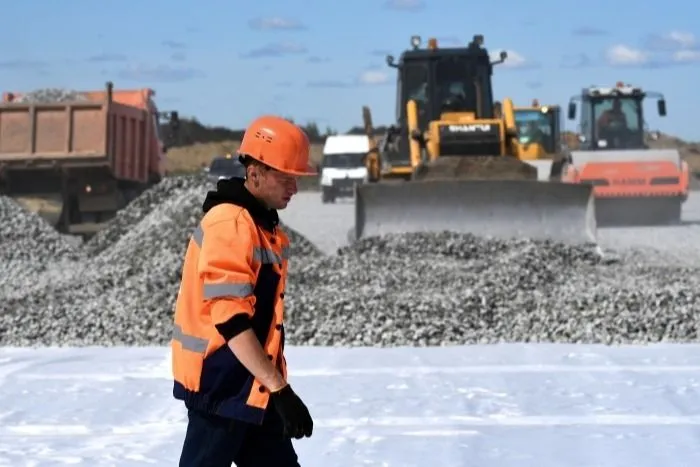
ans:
(277, 143)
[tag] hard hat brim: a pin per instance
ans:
(309, 172)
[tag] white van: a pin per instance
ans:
(343, 166)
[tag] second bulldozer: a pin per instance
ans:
(539, 140)
(453, 160)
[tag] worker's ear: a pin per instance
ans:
(255, 174)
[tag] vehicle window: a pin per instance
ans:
(223, 165)
(455, 85)
(628, 106)
(415, 82)
(528, 120)
(344, 161)
(534, 126)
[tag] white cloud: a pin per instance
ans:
(623, 55)
(675, 47)
(686, 56)
(373, 77)
(275, 23)
(672, 41)
(683, 40)
(514, 60)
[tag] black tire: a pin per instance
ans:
(674, 214)
(558, 167)
(327, 195)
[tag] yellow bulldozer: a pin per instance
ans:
(454, 160)
(539, 140)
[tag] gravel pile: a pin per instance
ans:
(51, 95)
(418, 289)
(29, 246)
(118, 288)
(147, 204)
(439, 289)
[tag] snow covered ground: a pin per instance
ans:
(507, 405)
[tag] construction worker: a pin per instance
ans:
(530, 132)
(613, 118)
(228, 342)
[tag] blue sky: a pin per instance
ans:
(225, 62)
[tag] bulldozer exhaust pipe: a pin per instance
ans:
(503, 209)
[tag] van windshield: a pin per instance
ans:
(344, 161)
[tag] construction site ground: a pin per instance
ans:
(521, 405)
(530, 405)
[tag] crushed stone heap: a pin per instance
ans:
(440, 289)
(29, 246)
(50, 95)
(118, 288)
(415, 289)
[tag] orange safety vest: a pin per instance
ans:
(235, 267)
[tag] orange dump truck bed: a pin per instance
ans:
(117, 135)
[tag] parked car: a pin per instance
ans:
(226, 166)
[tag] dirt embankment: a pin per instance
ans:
(192, 158)
(690, 151)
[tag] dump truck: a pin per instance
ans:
(539, 140)
(633, 184)
(77, 162)
(451, 160)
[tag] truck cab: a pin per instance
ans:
(342, 166)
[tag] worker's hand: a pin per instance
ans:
(294, 414)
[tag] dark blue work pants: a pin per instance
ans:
(219, 442)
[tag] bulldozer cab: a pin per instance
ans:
(444, 80)
(613, 118)
(540, 127)
(446, 84)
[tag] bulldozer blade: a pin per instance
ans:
(495, 208)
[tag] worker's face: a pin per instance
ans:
(272, 187)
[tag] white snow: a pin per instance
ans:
(536, 405)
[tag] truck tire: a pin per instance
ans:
(327, 195)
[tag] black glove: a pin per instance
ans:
(296, 418)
